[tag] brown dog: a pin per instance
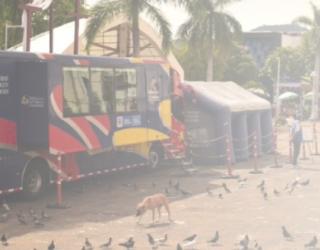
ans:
(153, 202)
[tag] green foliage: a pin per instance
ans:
(237, 65)
(240, 67)
(63, 11)
(105, 10)
(293, 67)
(209, 29)
(10, 12)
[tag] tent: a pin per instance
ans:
(216, 111)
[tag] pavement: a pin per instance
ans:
(106, 209)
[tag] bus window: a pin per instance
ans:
(126, 90)
(101, 90)
(76, 91)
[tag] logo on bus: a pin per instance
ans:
(33, 101)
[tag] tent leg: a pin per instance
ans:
(274, 150)
(255, 156)
(230, 175)
(59, 180)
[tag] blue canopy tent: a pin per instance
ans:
(215, 111)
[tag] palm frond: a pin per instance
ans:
(160, 21)
(316, 14)
(101, 13)
(304, 21)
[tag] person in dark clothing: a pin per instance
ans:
(296, 139)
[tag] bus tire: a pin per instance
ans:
(156, 155)
(35, 179)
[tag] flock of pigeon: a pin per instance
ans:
(37, 220)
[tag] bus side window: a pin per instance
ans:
(101, 90)
(76, 91)
(126, 90)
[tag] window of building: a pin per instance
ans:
(76, 89)
(125, 90)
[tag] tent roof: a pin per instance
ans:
(229, 95)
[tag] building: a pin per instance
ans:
(262, 41)
(113, 40)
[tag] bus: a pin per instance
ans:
(76, 116)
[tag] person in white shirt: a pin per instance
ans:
(296, 138)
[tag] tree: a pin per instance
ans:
(209, 28)
(106, 10)
(314, 31)
(10, 12)
(293, 68)
(62, 13)
(237, 65)
(240, 66)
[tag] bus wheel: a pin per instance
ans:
(35, 181)
(156, 155)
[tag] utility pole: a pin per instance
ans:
(277, 101)
(315, 91)
(76, 27)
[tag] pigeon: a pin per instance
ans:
(190, 238)
(190, 241)
(262, 183)
(51, 246)
(276, 192)
(151, 239)
(286, 187)
(163, 240)
(285, 233)
(128, 244)
(32, 212)
(88, 244)
(4, 217)
(4, 240)
(313, 243)
(177, 186)
(209, 192)
(179, 247)
(226, 188)
(292, 189)
(305, 183)
(38, 223)
(108, 244)
(245, 242)
(6, 206)
(153, 185)
(170, 183)
(184, 192)
(166, 191)
(220, 196)
(242, 180)
(21, 218)
(265, 195)
(44, 215)
(215, 238)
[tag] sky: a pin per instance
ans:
(251, 13)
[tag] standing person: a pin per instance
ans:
(296, 138)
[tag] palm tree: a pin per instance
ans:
(105, 10)
(209, 28)
(314, 27)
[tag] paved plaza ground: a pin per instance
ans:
(104, 207)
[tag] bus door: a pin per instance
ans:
(32, 98)
(158, 102)
(129, 106)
